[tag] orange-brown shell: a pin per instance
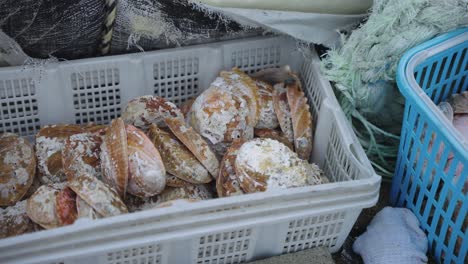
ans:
(114, 157)
(49, 145)
(17, 168)
(147, 174)
(227, 183)
(177, 158)
(220, 115)
(14, 220)
(245, 87)
(81, 154)
(195, 143)
(102, 198)
(97, 129)
(268, 118)
(266, 164)
(61, 131)
(41, 206)
(65, 206)
(283, 112)
(301, 120)
(273, 134)
(146, 110)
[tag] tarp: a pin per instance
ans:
(317, 23)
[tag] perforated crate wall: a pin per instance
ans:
(228, 247)
(255, 59)
(428, 188)
(309, 81)
(18, 106)
(313, 231)
(176, 79)
(108, 82)
(148, 254)
(432, 167)
(444, 74)
(96, 95)
(338, 163)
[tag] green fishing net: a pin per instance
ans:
(363, 69)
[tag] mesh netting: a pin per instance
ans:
(73, 29)
(156, 24)
(60, 28)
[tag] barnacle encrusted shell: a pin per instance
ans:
(178, 160)
(273, 134)
(15, 221)
(98, 195)
(243, 86)
(17, 168)
(301, 120)
(267, 118)
(147, 174)
(114, 157)
(41, 206)
(81, 154)
(266, 164)
(146, 110)
(227, 183)
(219, 115)
(195, 143)
(283, 112)
(50, 141)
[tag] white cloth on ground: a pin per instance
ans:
(393, 236)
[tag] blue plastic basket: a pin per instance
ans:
(432, 165)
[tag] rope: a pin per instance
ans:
(363, 69)
(108, 27)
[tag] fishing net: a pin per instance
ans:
(156, 24)
(60, 28)
(74, 29)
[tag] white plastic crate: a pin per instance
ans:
(226, 230)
